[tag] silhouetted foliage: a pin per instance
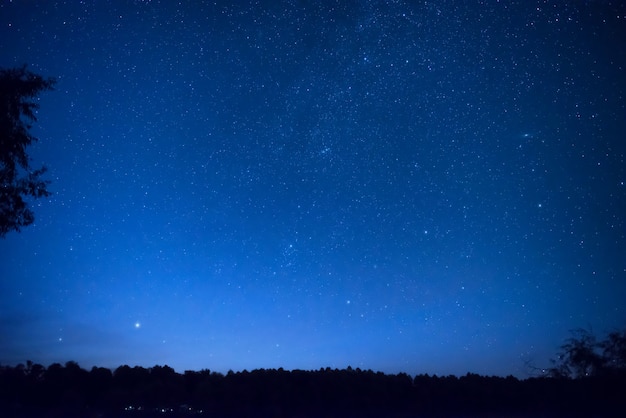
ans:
(18, 88)
(590, 381)
(32, 390)
(584, 356)
(614, 351)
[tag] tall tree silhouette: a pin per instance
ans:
(18, 89)
(584, 356)
(579, 356)
(614, 351)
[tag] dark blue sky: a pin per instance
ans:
(427, 187)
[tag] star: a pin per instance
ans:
(371, 169)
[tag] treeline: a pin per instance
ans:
(588, 379)
(32, 390)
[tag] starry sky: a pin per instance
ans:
(415, 186)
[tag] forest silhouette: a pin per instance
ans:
(588, 379)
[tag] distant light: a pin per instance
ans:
(137, 325)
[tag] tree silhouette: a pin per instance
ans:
(579, 356)
(18, 88)
(584, 356)
(590, 384)
(32, 390)
(614, 352)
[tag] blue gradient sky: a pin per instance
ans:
(427, 187)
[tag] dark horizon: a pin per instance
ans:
(530, 375)
(69, 391)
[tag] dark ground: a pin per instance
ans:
(69, 391)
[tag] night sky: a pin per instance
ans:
(417, 186)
